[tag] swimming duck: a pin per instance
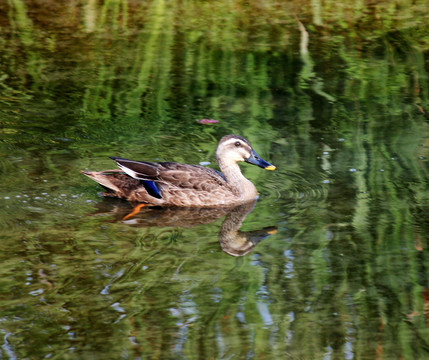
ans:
(174, 184)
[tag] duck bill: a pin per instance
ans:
(256, 160)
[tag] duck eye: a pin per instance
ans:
(238, 144)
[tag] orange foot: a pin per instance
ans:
(134, 212)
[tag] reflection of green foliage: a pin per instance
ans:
(347, 271)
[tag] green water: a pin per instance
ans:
(331, 263)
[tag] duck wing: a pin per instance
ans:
(171, 174)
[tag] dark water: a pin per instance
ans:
(331, 263)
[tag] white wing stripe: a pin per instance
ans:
(130, 172)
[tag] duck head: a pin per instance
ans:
(234, 148)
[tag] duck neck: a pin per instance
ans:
(241, 187)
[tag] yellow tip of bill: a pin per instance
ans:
(270, 167)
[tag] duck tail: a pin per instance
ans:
(108, 179)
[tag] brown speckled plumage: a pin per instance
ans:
(182, 184)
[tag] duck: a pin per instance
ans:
(185, 185)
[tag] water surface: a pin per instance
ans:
(332, 261)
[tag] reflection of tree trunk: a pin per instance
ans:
(90, 16)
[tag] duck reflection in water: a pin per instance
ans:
(232, 241)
